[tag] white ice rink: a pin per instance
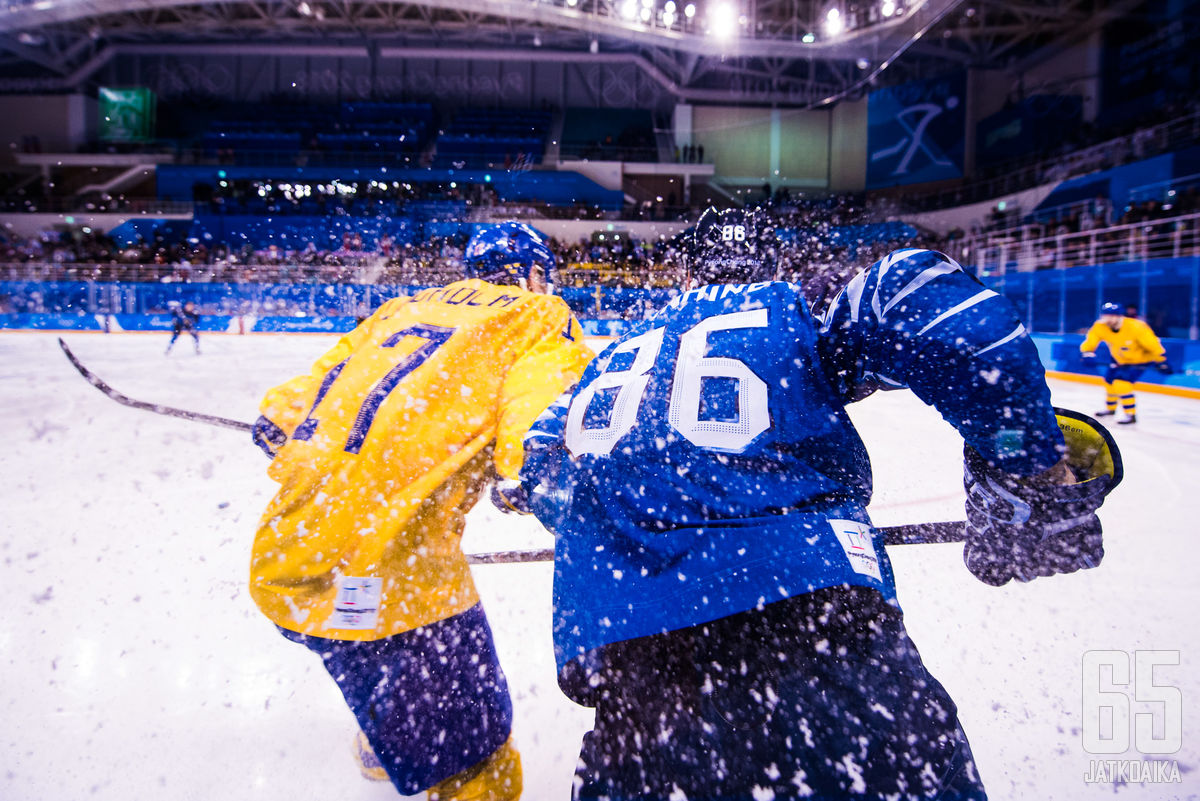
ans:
(133, 664)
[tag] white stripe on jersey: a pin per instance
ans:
(921, 280)
(971, 301)
(1020, 329)
(883, 379)
(854, 291)
(884, 265)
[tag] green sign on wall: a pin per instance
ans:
(126, 115)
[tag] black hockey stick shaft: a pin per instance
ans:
(913, 534)
(157, 408)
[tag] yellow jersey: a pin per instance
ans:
(1133, 343)
(389, 442)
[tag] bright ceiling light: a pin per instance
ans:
(689, 10)
(629, 9)
(833, 22)
(722, 20)
(888, 8)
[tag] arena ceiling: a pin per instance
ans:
(788, 52)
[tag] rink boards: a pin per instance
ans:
(1059, 352)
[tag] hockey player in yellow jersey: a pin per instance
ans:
(380, 452)
(1132, 346)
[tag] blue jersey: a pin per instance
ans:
(705, 465)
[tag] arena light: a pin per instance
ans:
(689, 10)
(888, 8)
(808, 38)
(629, 9)
(834, 24)
(722, 19)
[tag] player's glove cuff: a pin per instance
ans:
(510, 497)
(268, 436)
(1164, 367)
(1025, 527)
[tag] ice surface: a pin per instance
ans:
(135, 665)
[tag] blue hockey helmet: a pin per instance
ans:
(506, 253)
(1112, 308)
(733, 246)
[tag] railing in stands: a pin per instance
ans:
(997, 253)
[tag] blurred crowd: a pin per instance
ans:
(816, 243)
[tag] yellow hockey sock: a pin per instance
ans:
(497, 778)
(368, 764)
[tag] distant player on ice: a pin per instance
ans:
(379, 453)
(1132, 347)
(720, 595)
(184, 319)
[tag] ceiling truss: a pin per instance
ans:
(765, 57)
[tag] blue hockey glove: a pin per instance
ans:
(1088, 359)
(1164, 367)
(268, 436)
(510, 497)
(1025, 527)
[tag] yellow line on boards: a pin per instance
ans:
(1161, 389)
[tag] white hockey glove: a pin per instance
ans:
(1025, 527)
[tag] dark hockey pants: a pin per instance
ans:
(818, 697)
(432, 701)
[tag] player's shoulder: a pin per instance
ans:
(913, 260)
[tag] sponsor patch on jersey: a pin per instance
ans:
(357, 603)
(855, 539)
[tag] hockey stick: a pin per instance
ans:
(913, 534)
(96, 382)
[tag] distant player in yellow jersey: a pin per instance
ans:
(1133, 347)
(379, 453)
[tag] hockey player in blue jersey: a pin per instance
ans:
(720, 596)
(184, 319)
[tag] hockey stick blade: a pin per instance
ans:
(913, 534)
(125, 400)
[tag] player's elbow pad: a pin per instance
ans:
(1025, 527)
(268, 436)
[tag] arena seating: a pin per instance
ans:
(493, 138)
